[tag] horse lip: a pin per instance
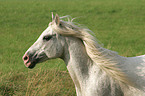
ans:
(31, 64)
(27, 64)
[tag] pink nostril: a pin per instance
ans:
(25, 58)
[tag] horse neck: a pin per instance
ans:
(76, 59)
(83, 71)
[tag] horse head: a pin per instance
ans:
(48, 46)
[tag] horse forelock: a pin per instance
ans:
(104, 58)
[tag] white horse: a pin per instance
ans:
(95, 71)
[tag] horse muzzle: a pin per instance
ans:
(29, 61)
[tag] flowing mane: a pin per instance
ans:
(104, 58)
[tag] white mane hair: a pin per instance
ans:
(105, 59)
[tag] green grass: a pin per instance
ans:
(118, 24)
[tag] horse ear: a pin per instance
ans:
(52, 16)
(56, 19)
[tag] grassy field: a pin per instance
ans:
(118, 24)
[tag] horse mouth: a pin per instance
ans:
(31, 61)
(31, 64)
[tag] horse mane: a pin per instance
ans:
(103, 58)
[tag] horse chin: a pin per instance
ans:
(31, 64)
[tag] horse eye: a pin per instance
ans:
(47, 38)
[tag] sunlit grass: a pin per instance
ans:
(35, 83)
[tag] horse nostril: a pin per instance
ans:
(25, 58)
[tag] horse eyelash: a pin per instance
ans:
(60, 25)
(48, 37)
